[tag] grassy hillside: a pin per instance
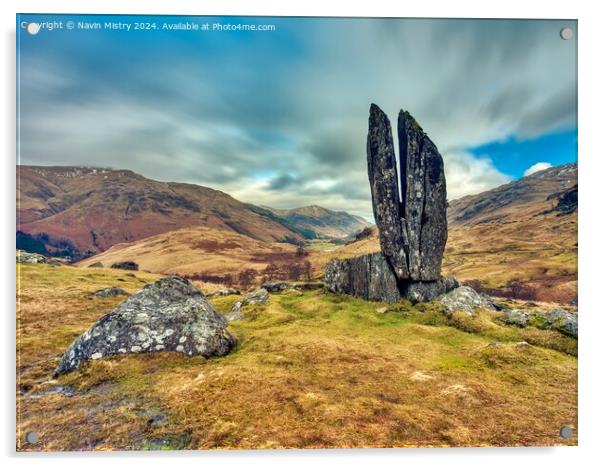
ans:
(311, 370)
(207, 254)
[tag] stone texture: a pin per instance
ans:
(24, 257)
(167, 315)
(370, 277)
(516, 317)
(259, 296)
(564, 321)
(382, 173)
(424, 202)
(419, 292)
(465, 299)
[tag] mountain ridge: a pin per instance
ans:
(79, 211)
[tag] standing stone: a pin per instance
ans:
(424, 199)
(410, 212)
(382, 172)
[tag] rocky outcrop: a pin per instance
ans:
(167, 315)
(259, 296)
(111, 292)
(410, 212)
(465, 299)
(370, 277)
(557, 319)
(24, 257)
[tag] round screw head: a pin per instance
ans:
(33, 28)
(32, 437)
(566, 33)
(566, 432)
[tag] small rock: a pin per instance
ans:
(157, 420)
(225, 292)
(24, 257)
(522, 344)
(516, 317)
(464, 299)
(564, 321)
(109, 293)
(275, 287)
(382, 310)
(125, 265)
(95, 265)
(259, 296)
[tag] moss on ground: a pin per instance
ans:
(311, 370)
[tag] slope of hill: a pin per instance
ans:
(209, 255)
(324, 223)
(517, 240)
(83, 210)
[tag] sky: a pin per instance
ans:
(280, 117)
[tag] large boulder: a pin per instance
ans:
(167, 315)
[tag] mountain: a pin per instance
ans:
(522, 198)
(322, 222)
(517, 240)
(78, 211)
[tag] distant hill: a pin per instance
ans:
(78, 211)
(208, 255)
(322, 222)
(519, 239)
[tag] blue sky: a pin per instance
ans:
(280, 117)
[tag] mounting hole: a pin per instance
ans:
(33, 28)
(32, 437)
(566, 33)
(566, 432)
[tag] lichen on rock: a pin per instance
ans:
(167, 315)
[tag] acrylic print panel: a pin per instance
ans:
(269, 232)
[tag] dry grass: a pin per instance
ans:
(311, 370)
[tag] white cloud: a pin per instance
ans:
(284, 122)
(537, 167)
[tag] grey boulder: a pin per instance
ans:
(465, 299)
(564, 321)
(167, 315)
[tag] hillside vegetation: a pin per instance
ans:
(311, 370)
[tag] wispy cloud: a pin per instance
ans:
(281, 118)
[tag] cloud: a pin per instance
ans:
(537, 167)
(281, 118)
